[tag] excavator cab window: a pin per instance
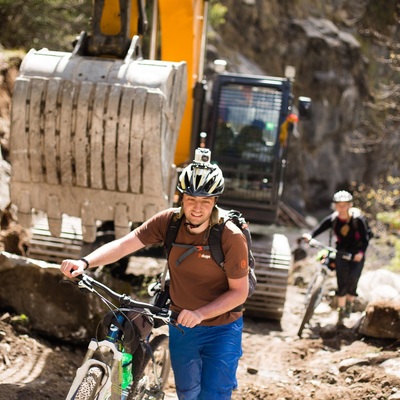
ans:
(244, 140)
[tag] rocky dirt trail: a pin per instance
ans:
(326, 363)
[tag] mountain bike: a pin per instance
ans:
(315, 290)
(128, 363)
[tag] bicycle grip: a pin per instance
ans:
(174, 315)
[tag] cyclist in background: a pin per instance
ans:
(351, 236)
(205, 358)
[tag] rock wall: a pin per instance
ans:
(321, 40)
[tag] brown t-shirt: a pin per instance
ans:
(198, 279)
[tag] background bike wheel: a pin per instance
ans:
(147, 381)
(312, 304)
(87, 390)
(312, 298)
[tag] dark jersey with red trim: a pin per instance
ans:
(351, 235)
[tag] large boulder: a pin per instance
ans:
(382, 320)
(381, 284)
(55, 309)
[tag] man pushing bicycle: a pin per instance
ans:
(351, 234)
(205, 358)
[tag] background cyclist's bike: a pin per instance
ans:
(128, 363)
(315, 290)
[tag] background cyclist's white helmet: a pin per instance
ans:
(342, 196)
(201, 178)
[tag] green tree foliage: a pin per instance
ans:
(382, 206)
(217, 14)
(43, 23)
(55, 24)
(379, 30)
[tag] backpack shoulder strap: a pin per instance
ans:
(354, 222)
(356, 215)
(334, 216)
(214, 242)
(214, 238)
(172, 231)
(360, 217)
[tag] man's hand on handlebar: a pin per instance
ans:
(306, 237)
(72, 268)
(189, 318)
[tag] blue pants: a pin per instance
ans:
(205, 359)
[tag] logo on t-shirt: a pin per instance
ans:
(206, 256)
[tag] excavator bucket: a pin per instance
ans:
(94, 138)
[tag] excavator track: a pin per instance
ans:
(54, 249)
(272, 265)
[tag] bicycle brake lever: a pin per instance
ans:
(312, 242)
(85, 285)
(70, 281)
(175, 324)
(173, 320)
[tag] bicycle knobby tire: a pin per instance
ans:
(314, 296)
(90, 385)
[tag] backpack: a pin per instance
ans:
(214, 241)
(356, 215)
(368, 231)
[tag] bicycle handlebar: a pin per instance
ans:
(88, 283)
(316, 243)
(345, 255)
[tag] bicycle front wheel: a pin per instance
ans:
(314, 295)
(90, 385)
(154, 371)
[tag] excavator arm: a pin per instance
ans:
(114, 24)
(94, 131)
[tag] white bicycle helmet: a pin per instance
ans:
(201, 179)
(342, 196)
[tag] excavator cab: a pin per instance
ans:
(250, 117)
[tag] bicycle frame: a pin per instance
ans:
(106, 355)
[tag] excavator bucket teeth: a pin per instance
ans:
(94, 138)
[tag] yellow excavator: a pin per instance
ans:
(97, 133)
